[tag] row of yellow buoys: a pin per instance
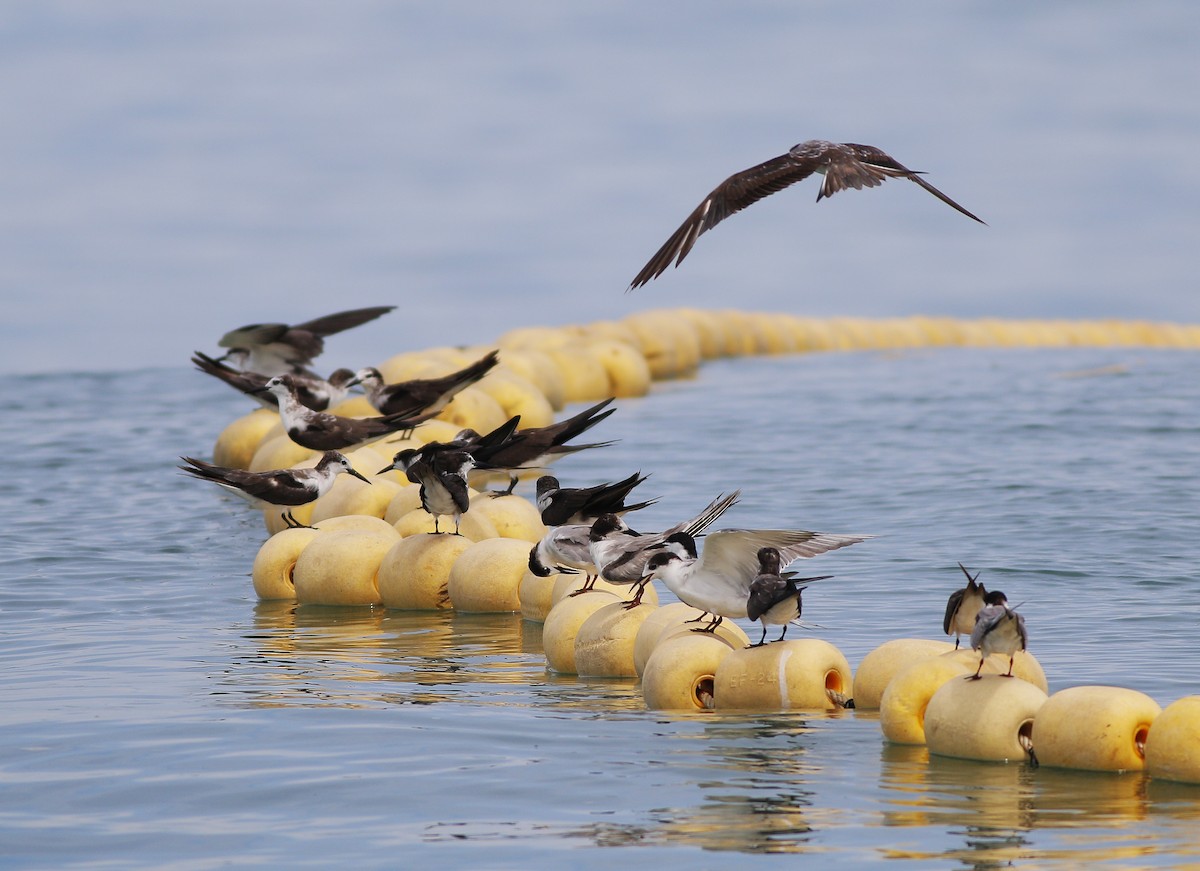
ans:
(375, 546)
(920, 689)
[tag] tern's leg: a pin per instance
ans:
(637, 598)
(588, 583)
(976, 675)
(512, 485)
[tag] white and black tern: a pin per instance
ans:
(560, 505)
(420, 394)
(718, 581)
(280, 488)
(621, 558)
(322, 431)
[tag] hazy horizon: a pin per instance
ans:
(174, 172)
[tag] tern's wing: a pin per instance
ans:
(740, 190)
(734, 552)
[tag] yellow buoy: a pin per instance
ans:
(426, 363)
(562, 625)
(339, 568)
(354, 406)
(354, 498)
(280, 452)
(274, 522)
(668, 343)
(516, 394)
(512, 516)
(238, 442)
(472, 407)
(566, 585)
(781, 676)
(486, 575)
(902, 708)
(986, 719)
(883, 663)
(604, 642)
(276, 560)
(472, 525)
(359, 523)
(1025, 665)
(681, 672)
(668, 616)
(709, 330)
(537, 367)
(415, 572)
(730, 632)
(536, 595)
(1173, 745)
(404, 500)
(584, 377)
(1095, 728)
(628, 372)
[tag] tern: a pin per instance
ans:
(843, 165)
(998, 629)
(313, 391)
(963, 606)
(420, 394)
(620, 557)
(775, 599)
(441, 471)
(280, 487)
(278, 349)
(566, 549)
(718, 581)
(536, 447)
(322, 431)
(560, 505)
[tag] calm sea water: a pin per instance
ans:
(155, 715)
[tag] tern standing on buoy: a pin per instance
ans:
(998, 629)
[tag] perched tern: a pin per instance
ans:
(322, 431)
(998, 629)
(775, 599)
(277, 488)
(718, 581)
(620, 557)
(566, 549)
(963, 606)
(420, 394)
(441, 471)
(560, 505)
(537, 447)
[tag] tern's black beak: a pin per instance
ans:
(355, 473)
(386, 469)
